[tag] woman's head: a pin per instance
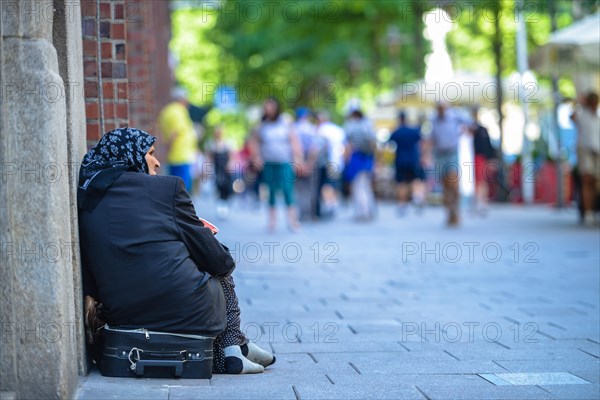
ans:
(118, 151)
(120, 148)
(271, 109)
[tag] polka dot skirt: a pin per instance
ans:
(232, 335)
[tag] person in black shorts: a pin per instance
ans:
(409, 172)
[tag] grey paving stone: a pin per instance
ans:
(592, 366)
(273, 377)
(494, 379)
(534, 378)
(233, 392)
(288, 368)
(123, 392)
(499, 354)
(462, 347)
(97, 387)
(588, 375)
(484, 393)
(432, 367)
(339, 347)
(575, 392)
(359, 392)
(377, 361)
(552, 344)
(384, 379)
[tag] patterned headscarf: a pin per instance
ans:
(118, 151)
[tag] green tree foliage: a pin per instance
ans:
(470, 42)
(317, 52)
(321, 53)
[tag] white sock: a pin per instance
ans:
(258, 355)
(236, 363)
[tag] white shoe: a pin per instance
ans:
(257, 355)
(236, 363)
(589, 219)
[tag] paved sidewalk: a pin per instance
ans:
(504, 307)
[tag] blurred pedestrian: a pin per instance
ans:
(588, 153)
(275, 148)
(360, 162)
(331, 164)
(250, 173)
(307, 179)
(180, 137)
(219, 152)
(485, 154)
(409, 172)
(446, 129)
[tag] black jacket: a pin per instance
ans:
(482, 143)
(150, 261)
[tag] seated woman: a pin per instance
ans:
(149, 259)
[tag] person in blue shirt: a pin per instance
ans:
(409, 172)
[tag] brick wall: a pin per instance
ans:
(135, 78)
(105, 84)
(148, 35)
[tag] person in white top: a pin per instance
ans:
(275, 147)
(331, 169)
(446, 130)
(588, 152)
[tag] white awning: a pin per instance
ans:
(575, 48)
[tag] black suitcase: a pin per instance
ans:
(150, 354)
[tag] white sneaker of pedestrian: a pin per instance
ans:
(589, 219)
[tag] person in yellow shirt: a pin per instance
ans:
(179, 135)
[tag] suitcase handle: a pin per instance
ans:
(165, 355)
(141, 364)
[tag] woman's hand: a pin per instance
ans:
(210, 226)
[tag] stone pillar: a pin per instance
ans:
(39, 323)
(67, 41)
